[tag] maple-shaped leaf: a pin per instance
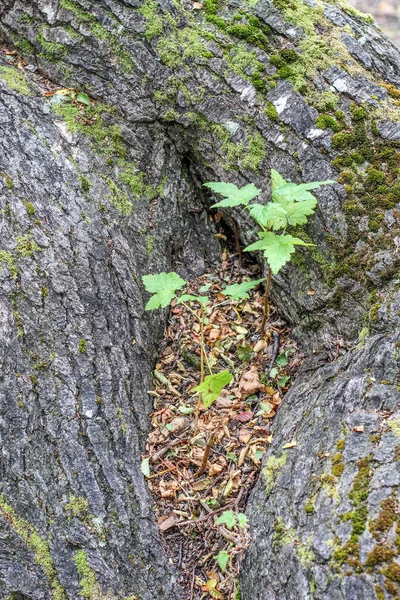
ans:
(277, 180)
(227, 518)
(212, 386)
(164, 287)
(222, 559)
(298, 192)
(238, 291)
(277, 248)
(297, 212)
(233, 195)
(190, 298)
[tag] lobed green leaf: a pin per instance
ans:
(212, 386)
(164, 287)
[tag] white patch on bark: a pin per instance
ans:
(280, 104)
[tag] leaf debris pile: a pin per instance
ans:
(201, 480)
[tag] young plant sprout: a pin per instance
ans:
(291, 205)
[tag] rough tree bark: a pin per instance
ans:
(93, 197)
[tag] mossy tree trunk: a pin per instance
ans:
(95, 195)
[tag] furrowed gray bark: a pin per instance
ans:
(93, 201)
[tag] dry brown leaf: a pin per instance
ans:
(358, 428)
(168, 488)
(214, 335)
(245, 435)
(242, 455)
(260, 345)
(199, 486)
(215, 469)
(250, 383)
(178, 424)
(167, 521)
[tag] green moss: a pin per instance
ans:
(82, 346)
(309, 506)
(325, 121)
(8, 259)
(39, 547)
(149, 244)
(8, 180)
(100, 32)
(380, 554)
(26, 246)
(30, 209)
(394, 425)
(78, 507)
(255, 152)
(340, 444)
(15, 80)
(272, 469)
(85, 183)
(183, 44)
(170, 115)
(118, 198)
(357, 112)
(87, 578)
(337, 469)
(154, 21)
(52, 51)
(271, 112)
(44, 291)
(386, 518)
(374, 179)
(392, 572)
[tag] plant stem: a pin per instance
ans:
(202, 356)
(206, 456)
(266, 303)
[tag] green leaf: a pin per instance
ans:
(273, 373)
(231, 456)
(298, 192)
(164, 286)
(238, 291)
(212, 386)
(244, 352)
(227, 518)
(282, 359)
(83, 98)
(190, 298)
(233, 195)
(258, 455)
(277, 248)
(145, 467)
(186, 410)
(222, 559)
(277, 180)
(297, 212)
(204, 288)
(242, 520)
(284, 380)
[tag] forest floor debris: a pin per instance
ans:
(200, 483)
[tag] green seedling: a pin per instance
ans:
(291, 205)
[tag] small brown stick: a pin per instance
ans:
(206, 455)
(266, 303)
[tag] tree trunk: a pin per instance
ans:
(95, 196)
